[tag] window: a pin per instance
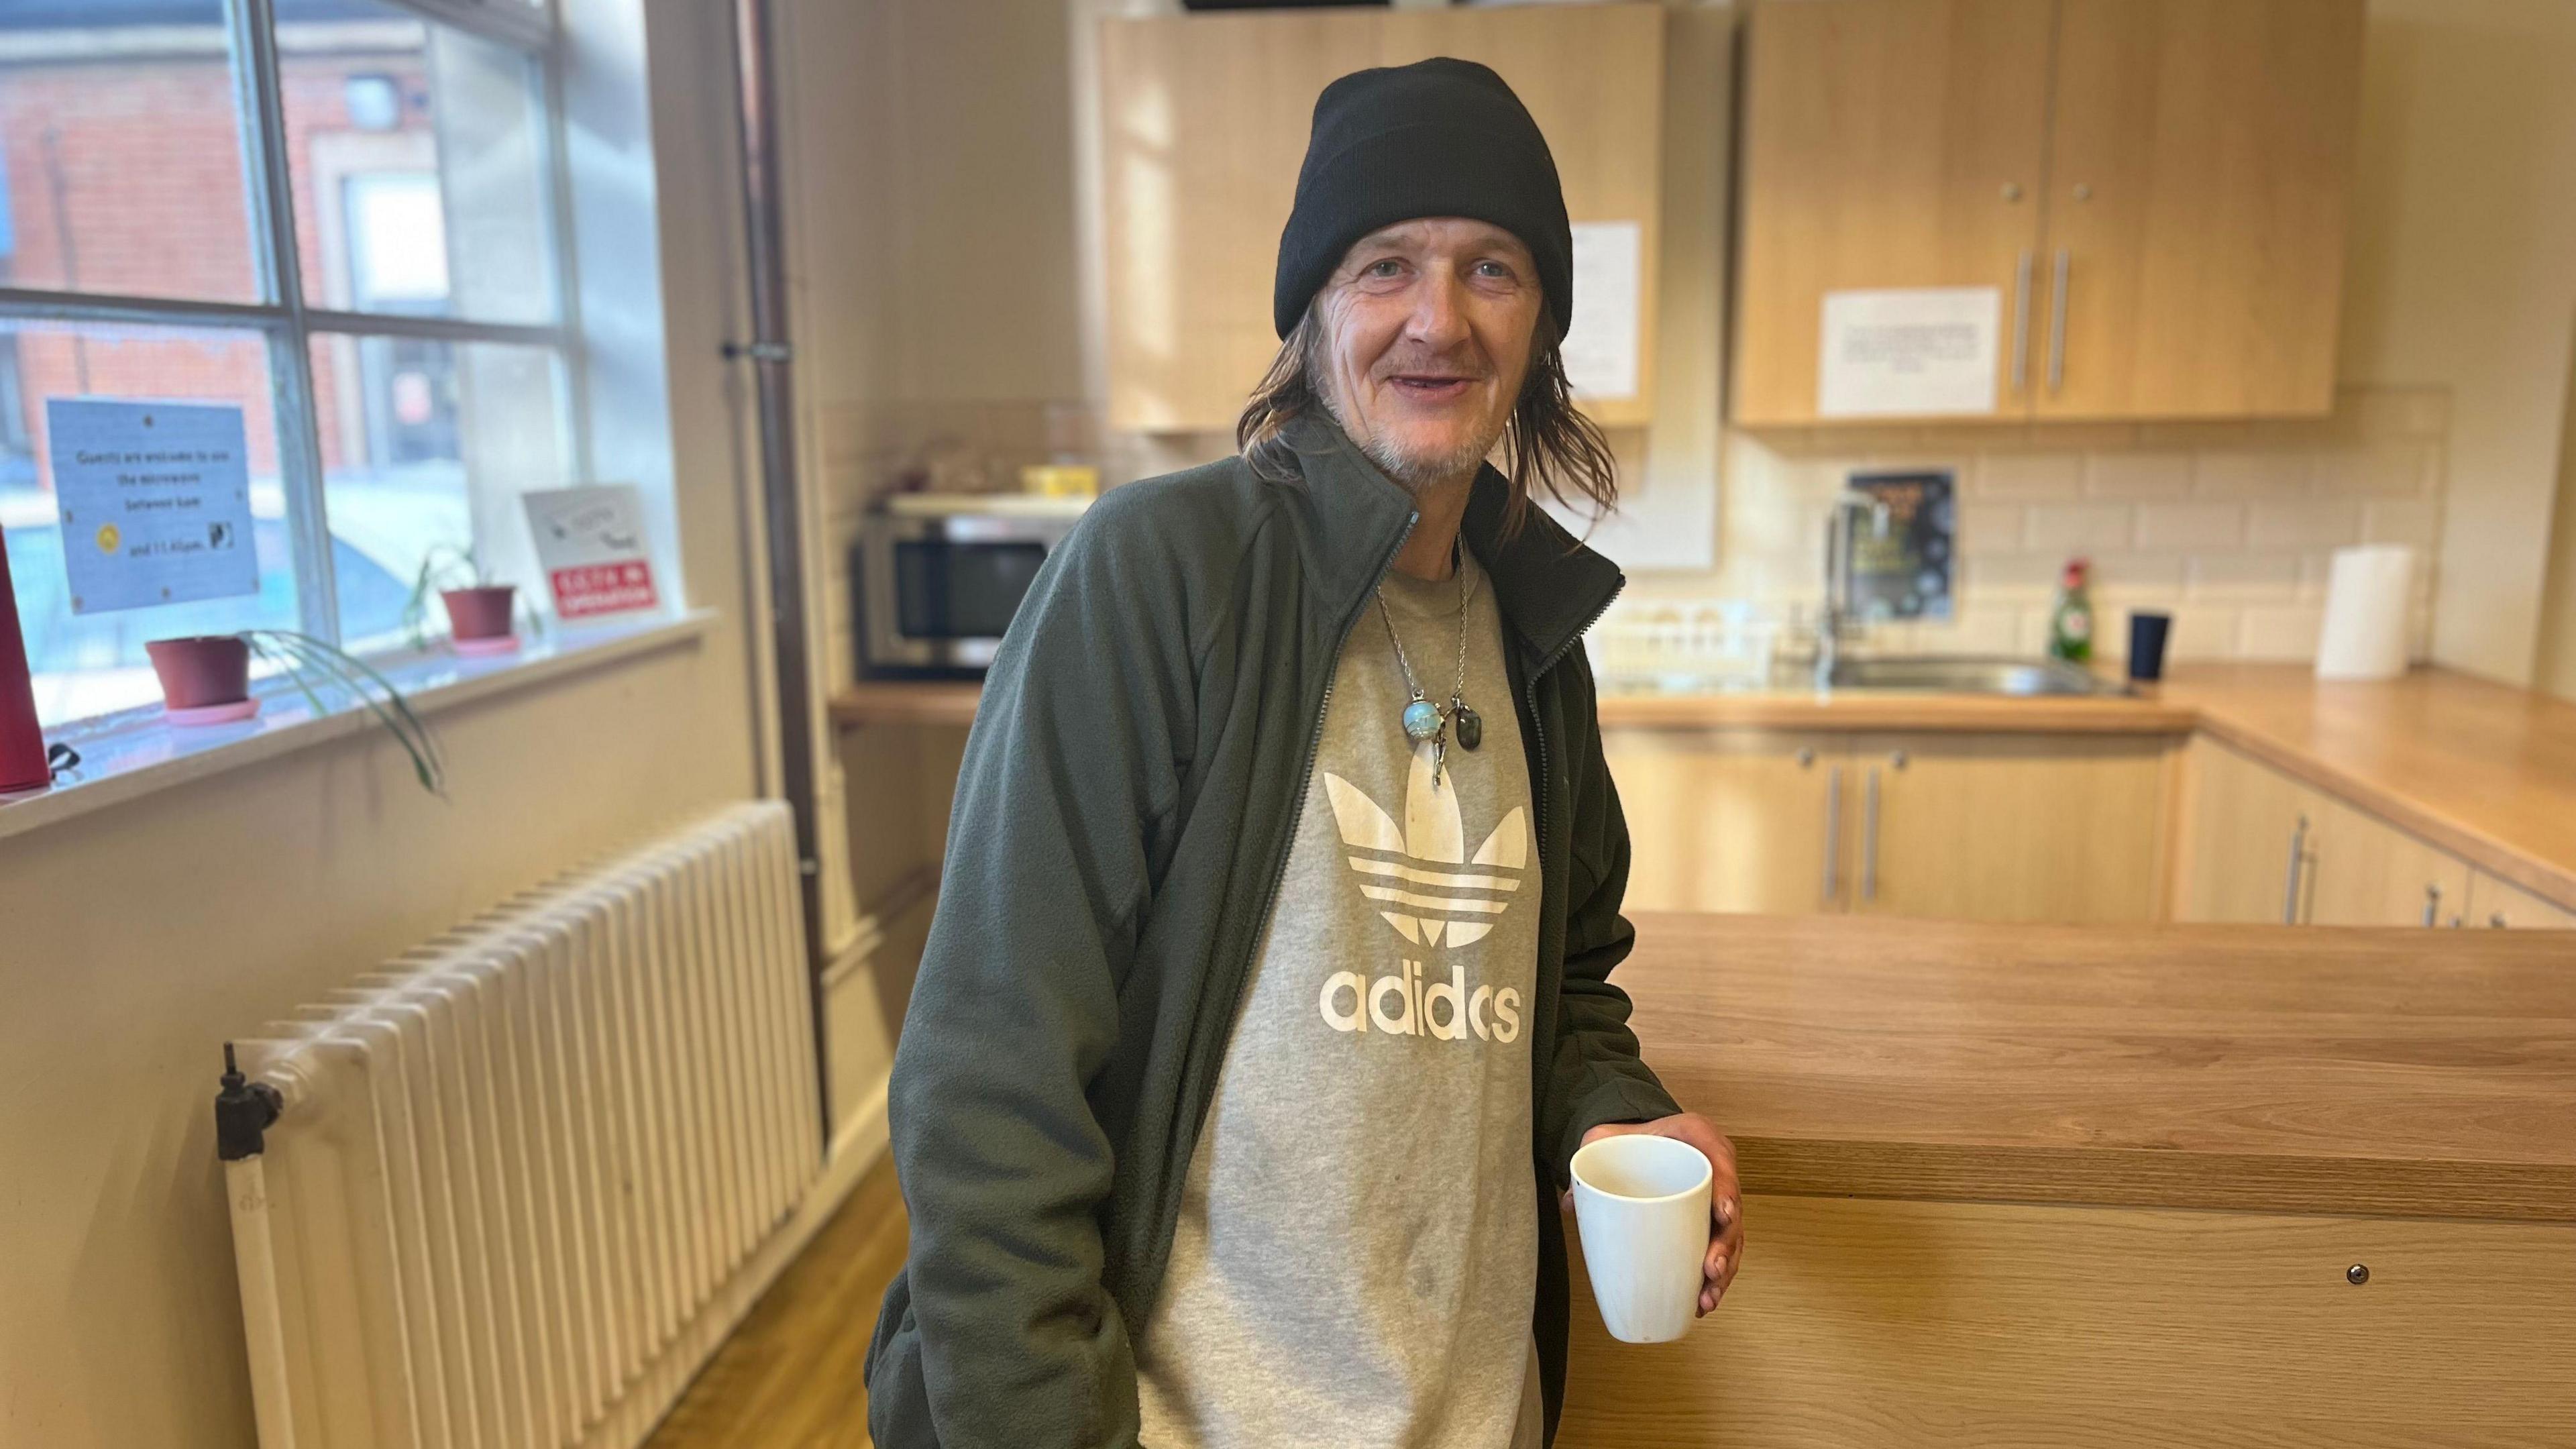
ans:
(340, 216)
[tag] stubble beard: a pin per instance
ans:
(1413, 469)
(1419, 470)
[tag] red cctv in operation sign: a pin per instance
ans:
(590, 541)
(586, 589)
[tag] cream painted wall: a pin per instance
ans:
(135, 939)
(932, 193)
(930, 272)
(2463, 275)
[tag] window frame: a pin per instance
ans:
(289, 326)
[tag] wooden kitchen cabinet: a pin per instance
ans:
(2261, 846)
(1884, 1322)
(2155, 189)
(2362, 871)
(2493, 903)
(2008, 827)
(2002, 827)
(1887, 143)
(1205, 119)
(2202, 155)
(2245, 823)
(1729, 820)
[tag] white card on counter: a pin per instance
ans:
(1912, 352)
(1600, 349)
(155, 502)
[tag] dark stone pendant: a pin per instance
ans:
(1471, 727)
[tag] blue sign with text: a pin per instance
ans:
(155, 501)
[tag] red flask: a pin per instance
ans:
(22, 745)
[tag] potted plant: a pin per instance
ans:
(205, 679)
(482, 613)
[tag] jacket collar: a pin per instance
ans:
(1548, 587)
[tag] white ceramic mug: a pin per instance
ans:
(1642, 1205)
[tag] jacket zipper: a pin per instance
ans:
(1538, 809)
(1288, 843)
(1315, 742)
(1538, 726)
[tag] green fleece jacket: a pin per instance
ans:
(1122, 820)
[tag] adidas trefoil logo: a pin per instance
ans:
(1400, 869)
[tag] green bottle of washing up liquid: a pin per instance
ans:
(2070, 625)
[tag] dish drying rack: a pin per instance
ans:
(1685, 644)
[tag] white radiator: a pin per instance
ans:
(512, 1177)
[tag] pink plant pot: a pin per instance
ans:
(203, 670)
(481, 612)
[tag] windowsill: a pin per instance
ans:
(136, 752)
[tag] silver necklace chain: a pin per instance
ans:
(1457, 695)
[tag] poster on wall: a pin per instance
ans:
(1600, 348)
(1900, 565)
(1909, 352)
(590, 542)
(154, 500)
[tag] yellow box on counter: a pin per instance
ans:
(1060, 480)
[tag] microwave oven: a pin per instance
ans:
(936, 577)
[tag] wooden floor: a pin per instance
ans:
(789, 1378)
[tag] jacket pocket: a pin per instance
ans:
(898, 1399)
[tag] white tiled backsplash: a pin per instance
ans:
(2227, 525)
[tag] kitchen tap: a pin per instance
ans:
(1833, 616)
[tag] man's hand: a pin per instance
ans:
(1726, 1206)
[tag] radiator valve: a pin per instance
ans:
(244, 1109)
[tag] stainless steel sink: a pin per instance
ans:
(1967, 674)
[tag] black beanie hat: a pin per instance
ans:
(1439, 137)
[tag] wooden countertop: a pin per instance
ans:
(2317, 1069)
(907, 701)
(952, 702)
(2485, 771)
(1874, 710)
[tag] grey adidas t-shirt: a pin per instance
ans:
(1358, 1239)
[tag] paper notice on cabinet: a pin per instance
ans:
(1918, 352)
(1600, 349)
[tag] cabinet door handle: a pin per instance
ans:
(2057, 324)
(2298, 863)
(1869, 838)
(2021, 322)
(1833, 833)
(2432, 903)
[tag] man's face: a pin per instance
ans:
(1427, 329)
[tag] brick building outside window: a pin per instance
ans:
(339, 215)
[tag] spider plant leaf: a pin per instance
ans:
(389, 706)
(303, 652)
(265, 644)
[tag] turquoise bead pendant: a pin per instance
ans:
(1421, 721)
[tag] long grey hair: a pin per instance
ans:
(1547, 443)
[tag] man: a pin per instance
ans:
(1266, 1000)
